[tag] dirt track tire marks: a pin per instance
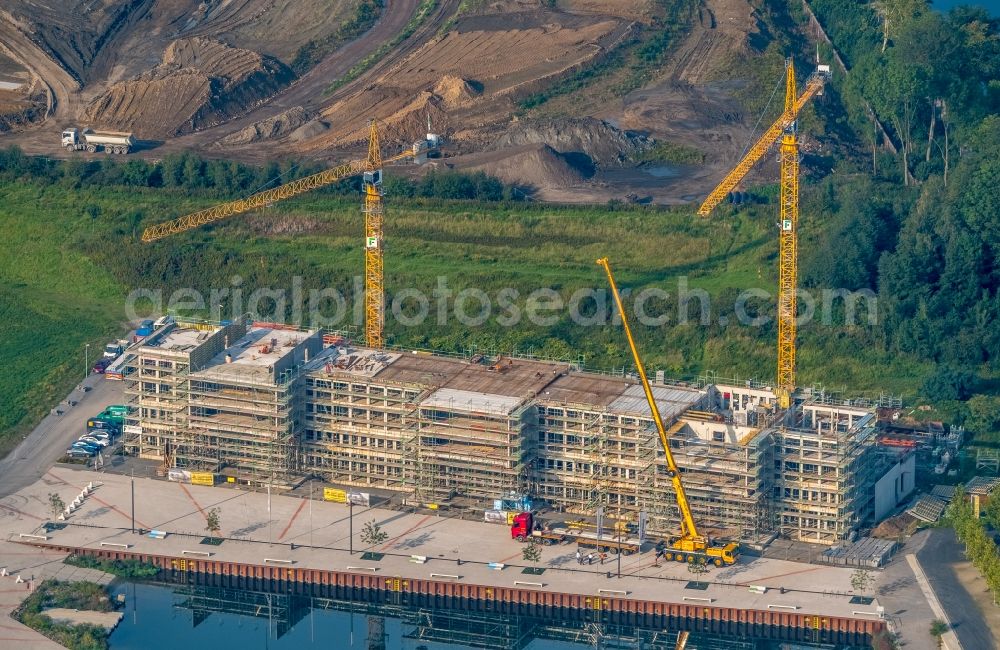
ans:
(308, 91)
(62, 88)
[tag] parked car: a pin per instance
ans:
(89, 446)
(101, 365)
(97, 441)
(75, 452)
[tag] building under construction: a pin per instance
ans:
(262, 403)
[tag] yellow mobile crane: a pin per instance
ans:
(788, 262)
(371, 169)
(691, 545)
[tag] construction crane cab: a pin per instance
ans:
(690, 546)
(717, 554)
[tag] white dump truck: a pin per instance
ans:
(91, 140)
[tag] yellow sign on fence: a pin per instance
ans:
(202, 478)
(333, 494)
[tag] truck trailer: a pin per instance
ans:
(524, 528)
(90, 140)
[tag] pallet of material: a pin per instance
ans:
(927, 508)
(867, 552)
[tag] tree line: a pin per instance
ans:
(914, 214)
(971, 530)
(225, 179)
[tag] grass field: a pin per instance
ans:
(73, 256)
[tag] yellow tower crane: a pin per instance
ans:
(785, 128)
(374, 288)
(788, 251)
(371, 170)
(691, 545)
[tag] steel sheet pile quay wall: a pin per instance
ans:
(700, 617)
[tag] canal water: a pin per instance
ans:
(170, 617)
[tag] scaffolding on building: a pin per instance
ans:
(477, 455)
(589, 459)
(239, 423)
(440, 429)
(828, 467)
(358, 432)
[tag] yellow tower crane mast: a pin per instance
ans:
(788, 252)
(691, 545)
(785, 128)
(371, 170)
(374, 289)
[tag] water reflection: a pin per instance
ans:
(160, 616)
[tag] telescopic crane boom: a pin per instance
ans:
(691, 545)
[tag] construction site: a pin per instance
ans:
(753, 508)
(266, 403)
(257, 81)
(270, 405)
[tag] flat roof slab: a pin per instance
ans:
(670, 400)
(349, 362)
(422, 370)
(179, 339)
(253, 355)
(513, 377)
(471, 402)
(584, 389)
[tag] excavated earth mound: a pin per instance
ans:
(532, 166)
(311, 129)
(272, 127)
(600, 141)
(200, 83)
(455, 91)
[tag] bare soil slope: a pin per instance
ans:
(470, 77)
(161, 67)
(215, 76)
(690, 104)
(22, 96)
(199, 83)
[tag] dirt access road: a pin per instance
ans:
(307, 92)
(62, 88)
